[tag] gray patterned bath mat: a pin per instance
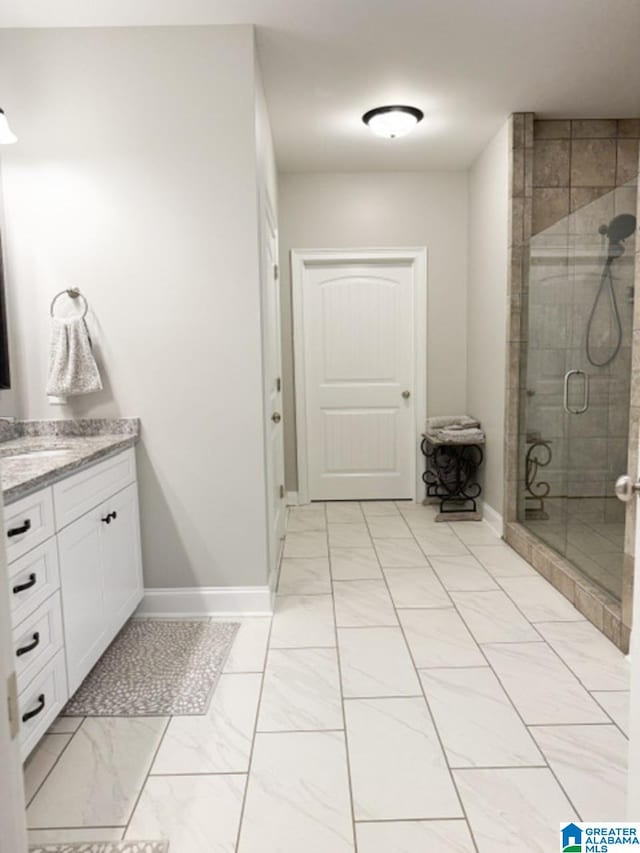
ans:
(103, 847)
(156, 668)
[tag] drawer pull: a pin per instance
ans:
(111, 516)
(27, 585)
(36, 711)
(25, 649)
(17, 531)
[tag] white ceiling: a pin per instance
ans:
(466, 63)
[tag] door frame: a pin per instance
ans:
(301, 260)
(268, 219)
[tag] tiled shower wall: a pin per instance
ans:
(577, 162)
(564, 179)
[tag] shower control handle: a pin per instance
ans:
(625, 488)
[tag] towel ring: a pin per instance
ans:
(72, 293)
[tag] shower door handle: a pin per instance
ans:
(626, 489)
(585, 400)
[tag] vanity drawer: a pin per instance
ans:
(41, 702)
(27, 523)
(36, 640)
(82, 492)
(32, 579)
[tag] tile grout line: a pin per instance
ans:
(333, 730)
(585, 688)
(521, 718)
(259, 703)
(527, 727)
(542, 638)
(541, 621)
(341, 688)
(604, 723)
(609, 715)
(50, 771)
(431, 717)
(199, 773)
(500, 588)
(147, 776)
(411, 820)
(64, 828)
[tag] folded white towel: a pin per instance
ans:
(452, 421)
(72, 367)
(471, 424)
(456, 436)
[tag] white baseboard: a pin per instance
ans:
(292, 499)
(493, 519)
(207, 601)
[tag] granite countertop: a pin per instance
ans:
(26, 464)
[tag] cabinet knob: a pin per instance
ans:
(406, 394)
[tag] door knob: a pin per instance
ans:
(276, 417)
(406, 394)
(625, 488)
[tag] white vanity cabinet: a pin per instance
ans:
(100, 578)
(75, 577)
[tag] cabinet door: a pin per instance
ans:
(79, 548)
(122, 561)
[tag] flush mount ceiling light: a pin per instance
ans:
(394, 121)
(7, 136)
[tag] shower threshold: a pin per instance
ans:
(595, 603)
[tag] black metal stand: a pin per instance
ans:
(539, 455)
(451, 475)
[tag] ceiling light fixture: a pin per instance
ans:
(394, 121)
(7, 136)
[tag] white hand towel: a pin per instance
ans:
(452, 422)
(72, 367)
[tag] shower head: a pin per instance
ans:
(618, 230)
(621, 227)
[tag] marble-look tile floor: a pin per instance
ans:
(419, 688)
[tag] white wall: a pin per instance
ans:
(135, 179)
(8, 403)
(362, 210)
(266, 161)
(487, 304)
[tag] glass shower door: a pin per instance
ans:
(577, 374)
(543, 505)
(601, 241)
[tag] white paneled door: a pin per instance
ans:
(359, 385)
